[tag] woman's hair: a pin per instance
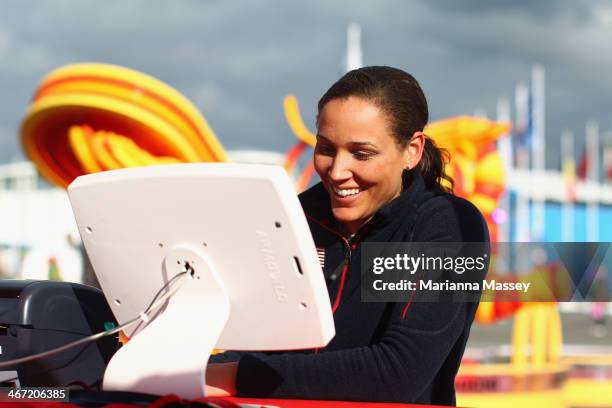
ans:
(399, 95)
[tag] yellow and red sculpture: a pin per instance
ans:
(92, 117)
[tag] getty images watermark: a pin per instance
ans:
(451, 271)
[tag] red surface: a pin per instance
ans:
(172, 400)
(284, 403)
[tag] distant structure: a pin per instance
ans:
(354, 57)
(32, 213)
(570, 204)
(18, 176)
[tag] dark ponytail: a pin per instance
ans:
(399, 95)
(432, 165)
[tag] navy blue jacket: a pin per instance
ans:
(394, 352)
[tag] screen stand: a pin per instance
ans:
(170, 354)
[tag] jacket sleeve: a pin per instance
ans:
(398, 367)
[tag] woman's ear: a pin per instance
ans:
(414, 150)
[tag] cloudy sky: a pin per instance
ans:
(237, 59)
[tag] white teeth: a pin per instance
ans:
(346, 192)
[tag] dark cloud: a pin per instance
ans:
(580, 11)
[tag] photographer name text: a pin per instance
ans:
(431, 285)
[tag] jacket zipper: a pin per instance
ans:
(350, 246)
(347, 261)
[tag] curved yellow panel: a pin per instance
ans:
(115, 145)
(166, 160)
(490, 176)
(292, 113)
(158, 119)
(463, 171)
(485, 313)
(171, 113)
(132, 155)
(455, 131)
(39, 151)
(136, 154)
(49, 119)
(81, 146)
(484, 203)
(103, 153)
(49, 171)
(159, 131)
(146, 85)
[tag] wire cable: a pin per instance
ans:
(144, 316)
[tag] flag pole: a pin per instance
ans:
(568, 165)
(592, 151)
(521, 211)
(538, 145)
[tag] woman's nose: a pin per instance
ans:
(339, 169)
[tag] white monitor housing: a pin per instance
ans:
(254, 280)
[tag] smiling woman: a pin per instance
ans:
(382, 180)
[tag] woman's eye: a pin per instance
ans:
(361, 155)
(323, 149)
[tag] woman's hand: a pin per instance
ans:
(221, 379)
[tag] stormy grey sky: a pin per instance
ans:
(237, 59)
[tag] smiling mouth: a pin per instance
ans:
(347, 192)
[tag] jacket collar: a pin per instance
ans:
(316, 202)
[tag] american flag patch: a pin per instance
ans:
(321, 254)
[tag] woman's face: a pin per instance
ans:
(359, 160)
